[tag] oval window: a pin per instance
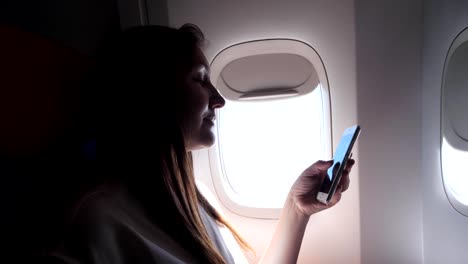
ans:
(454, 142)
(275, 123)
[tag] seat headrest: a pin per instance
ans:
(39, 90)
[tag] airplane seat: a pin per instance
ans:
(45, 145)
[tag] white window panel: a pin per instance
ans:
(265, 145)
(454, 172)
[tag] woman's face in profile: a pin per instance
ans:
(202, 99)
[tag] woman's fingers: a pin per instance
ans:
(318, 169)
(336, 197)
(322, 164)
(344, 182)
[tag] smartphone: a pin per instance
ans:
(342, 154)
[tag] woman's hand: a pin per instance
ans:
(299, 206)
(304, 191)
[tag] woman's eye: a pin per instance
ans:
(201, 80)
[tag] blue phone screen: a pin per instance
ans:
(338, 159)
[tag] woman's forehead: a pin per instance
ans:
(200, 59)
(200, 62)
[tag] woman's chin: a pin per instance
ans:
(205, 141)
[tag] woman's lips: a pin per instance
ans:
(209, 121)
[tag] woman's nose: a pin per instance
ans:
(216, 100)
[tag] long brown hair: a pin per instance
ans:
(140, 142)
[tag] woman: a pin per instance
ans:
(157, 104)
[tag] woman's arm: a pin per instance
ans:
(300, 204)
(286, 242)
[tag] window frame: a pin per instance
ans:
(446, 128)
(220, 182)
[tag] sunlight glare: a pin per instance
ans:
(454, 171)
(266, 145)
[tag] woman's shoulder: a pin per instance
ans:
(108, 226)
(102, 206)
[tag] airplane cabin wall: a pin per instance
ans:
(445, 230)
(389, 43)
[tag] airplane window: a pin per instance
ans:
(454, 148)
(275, 124)
(265, 145)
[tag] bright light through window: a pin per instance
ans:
(454, 171)
(265, 146)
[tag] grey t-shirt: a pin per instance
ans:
(110, 228)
